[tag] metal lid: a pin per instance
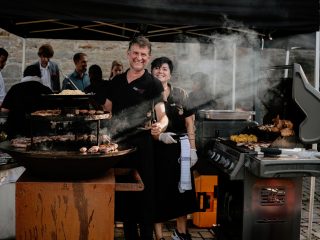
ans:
(308, 100)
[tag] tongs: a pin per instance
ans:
(153, 113)
(299, 152)
(76, 88)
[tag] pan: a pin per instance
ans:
(66, 164)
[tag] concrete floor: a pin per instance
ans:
(207, 234)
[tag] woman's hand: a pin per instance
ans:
(167, 137)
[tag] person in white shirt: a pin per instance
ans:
(3, 60)
(50, 74)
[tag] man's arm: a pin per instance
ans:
(107, 106)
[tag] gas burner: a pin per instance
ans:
(234, 160)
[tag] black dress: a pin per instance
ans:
(170, 203)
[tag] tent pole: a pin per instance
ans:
(314, 146)
(287, 62)
(23, 62)
(234, 62)
(317, 62)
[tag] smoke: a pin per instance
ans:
(128, 122)
(233, 59)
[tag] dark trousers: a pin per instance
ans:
(136, 209)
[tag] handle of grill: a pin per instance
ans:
(271, 151)
(203, 201)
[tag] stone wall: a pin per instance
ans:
(99, 52)
(223, 60)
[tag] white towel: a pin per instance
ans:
(185, 174)
(10, 175)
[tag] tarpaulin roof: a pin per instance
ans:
(160, 20)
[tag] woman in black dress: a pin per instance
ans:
(170, 201)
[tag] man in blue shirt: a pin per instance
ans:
(79, 77)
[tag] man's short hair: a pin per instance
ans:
(3, 52)
(46, 51)
(141, 41)
(31, 71)
(77, 57)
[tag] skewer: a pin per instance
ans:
(153, 116)
(70, 80)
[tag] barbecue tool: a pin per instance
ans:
(300, 152)
(76, 88)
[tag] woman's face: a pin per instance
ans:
(117, 69)
(162, 73)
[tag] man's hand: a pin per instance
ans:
(156, 129)
(167, 138)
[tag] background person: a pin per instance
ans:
(97, 84)
(24, 98)
(50, 73)
(132, 97)
(79, 77)
(170, 201)
(201, 97)
(95, 75)
(3, 60)
(116, 68)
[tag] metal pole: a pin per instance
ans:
(23, 62)
(287, 62)
(234, 62)
(317, 62)
(314, 146)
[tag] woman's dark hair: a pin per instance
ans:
(46, 51)
(32, 70)
(158, 62)
(95, 73)
(3, 52)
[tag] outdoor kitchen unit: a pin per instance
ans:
(259, 191)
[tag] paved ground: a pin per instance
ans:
(207, 234)
(315, 234)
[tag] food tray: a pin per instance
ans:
(226, 114)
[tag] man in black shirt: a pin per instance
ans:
(136, 101)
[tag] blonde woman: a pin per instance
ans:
(116, 68)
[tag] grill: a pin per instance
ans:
(259, 196)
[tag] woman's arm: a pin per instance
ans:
(189, 121)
